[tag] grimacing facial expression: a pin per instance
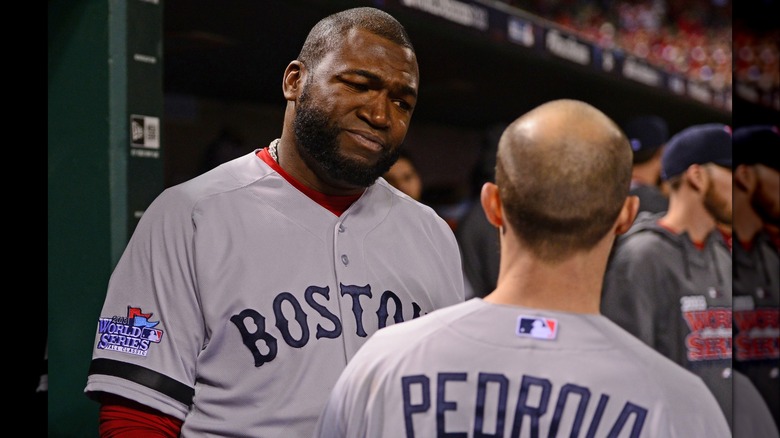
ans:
(354, 109)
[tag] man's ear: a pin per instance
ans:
(491, 204)
(292, 82)
(695, 177)
(745, 178)
(627, 214)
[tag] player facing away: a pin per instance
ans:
(243, 292)
(756, 261)
(534, 357)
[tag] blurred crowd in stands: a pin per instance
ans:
(690, 37)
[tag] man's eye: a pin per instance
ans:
(358, 87)
(403, 105)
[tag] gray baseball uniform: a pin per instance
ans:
(239, 299)
(481, 369)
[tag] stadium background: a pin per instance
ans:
(208, 76)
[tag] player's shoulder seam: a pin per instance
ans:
(635, 351)
(198, 190)
(404, 328)
(420, 207)
(196, 196)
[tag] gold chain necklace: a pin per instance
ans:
(272, 150)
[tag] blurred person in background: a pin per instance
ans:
(404, 176)
(226, 146)
(477, 237)
(648, 135)
(668, 281)
(756, 273)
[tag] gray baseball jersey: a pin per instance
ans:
(481, 369)
(239, 299)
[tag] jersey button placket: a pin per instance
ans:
(344, 258)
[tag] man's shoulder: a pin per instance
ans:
(651, 199)
(233, 174)
(666, 374)
(402, 207)
(640, 245)
(426, 324)
(646, 234)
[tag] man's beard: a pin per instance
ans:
(317, 144)
(717, 206)
(766, 208)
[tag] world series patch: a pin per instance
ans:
(537, 327)
(710, 335)
(132, 334)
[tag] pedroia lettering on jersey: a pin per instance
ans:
(534, 407)
(256, 331)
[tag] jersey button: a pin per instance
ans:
(342, 228)
(344, 259)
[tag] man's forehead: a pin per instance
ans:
(363, 45)
(374, 57)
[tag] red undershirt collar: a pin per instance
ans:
(335, 204)
(699, 245)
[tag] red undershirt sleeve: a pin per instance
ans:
(124, 418)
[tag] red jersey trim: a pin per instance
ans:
(335, 204)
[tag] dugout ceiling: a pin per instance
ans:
(238, 51)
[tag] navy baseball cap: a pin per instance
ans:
(697, 144)
(757, 144)
(646, 134)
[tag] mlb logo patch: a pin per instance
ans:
(537, 327)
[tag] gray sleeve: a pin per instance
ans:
(154, 279)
